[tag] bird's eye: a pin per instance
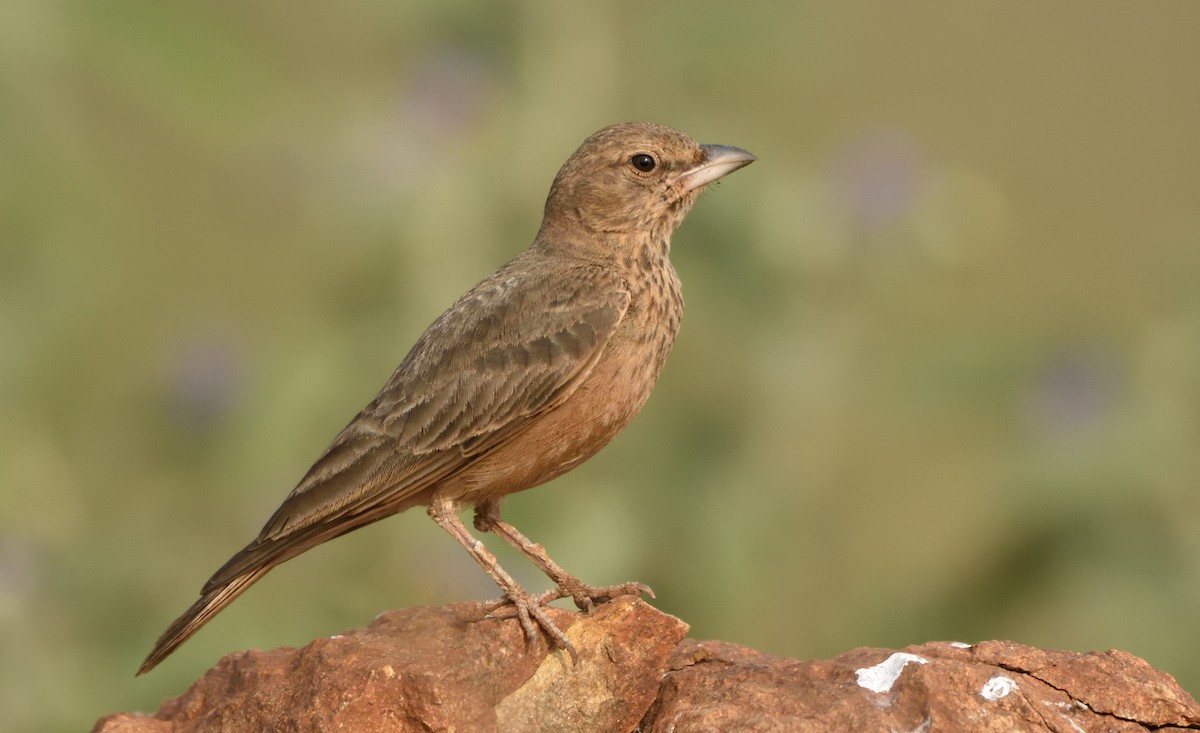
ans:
(643, 162)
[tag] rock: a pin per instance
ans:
(939, 686)
(442, 669)
(445, 669)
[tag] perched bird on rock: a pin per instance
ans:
(529, 374)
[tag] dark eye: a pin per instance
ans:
(643, 162)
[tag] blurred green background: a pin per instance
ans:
(939, 376)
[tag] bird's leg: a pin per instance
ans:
(487, 519)
(528, 610)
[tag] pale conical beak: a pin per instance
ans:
(719, 161)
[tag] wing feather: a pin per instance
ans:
(514, 346)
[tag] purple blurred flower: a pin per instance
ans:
(205, 379)
(1073, 397)
(876, 180)
(447, 94)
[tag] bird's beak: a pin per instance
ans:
(719, 160)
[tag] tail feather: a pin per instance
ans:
(210, 603)
(242, 571)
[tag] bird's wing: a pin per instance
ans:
(516, 345)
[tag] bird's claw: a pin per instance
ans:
(529, 610)
(587, 597)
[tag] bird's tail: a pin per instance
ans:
(211, 601)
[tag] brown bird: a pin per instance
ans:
(529, 374)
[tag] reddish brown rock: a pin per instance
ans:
(940, 686)
(443, 669)
(440, 669)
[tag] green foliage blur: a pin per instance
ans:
(939, 376)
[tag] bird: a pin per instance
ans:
(527, 375)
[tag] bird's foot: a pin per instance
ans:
(587, 597)
(530, 610)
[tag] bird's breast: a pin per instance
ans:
(605, 402)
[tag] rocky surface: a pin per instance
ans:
(444, 669)
(939, 686)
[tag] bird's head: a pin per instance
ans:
(636, 177)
